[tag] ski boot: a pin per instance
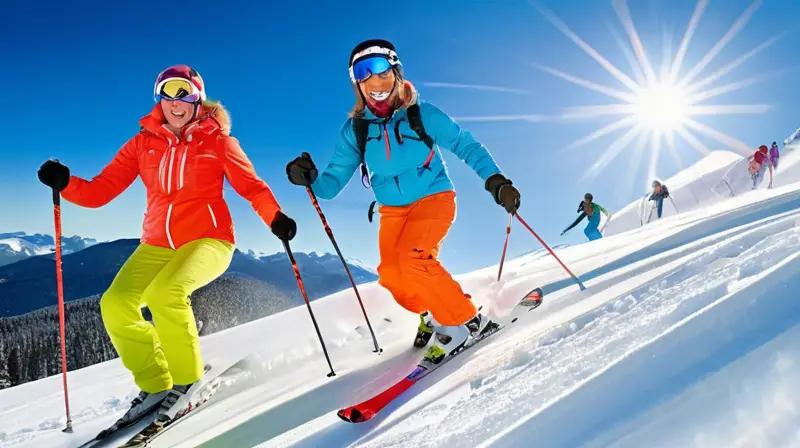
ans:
(141, 405)
(449, 340)
(424, 330)
(480, 325)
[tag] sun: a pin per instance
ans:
(657, 104)
(661, 107)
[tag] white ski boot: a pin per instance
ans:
(140, 406)
(449, 340)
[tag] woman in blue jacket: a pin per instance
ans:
(394, 136)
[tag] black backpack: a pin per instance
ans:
(361, 130)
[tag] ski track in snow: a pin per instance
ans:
(686, 336)
(564, 357)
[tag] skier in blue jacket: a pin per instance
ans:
(395, 137)
(592, 210)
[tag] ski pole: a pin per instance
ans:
(673, 204)
(60, 289)
(577, 280)
(505, 246)
(302, 287)
(344, 263)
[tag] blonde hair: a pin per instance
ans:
(405, 95)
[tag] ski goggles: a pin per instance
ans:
(362, 70)
(172, 89)
(376, 61)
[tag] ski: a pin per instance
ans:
(121, 426)
(198, 397)
(366, 410)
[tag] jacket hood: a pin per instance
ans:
(212, 114)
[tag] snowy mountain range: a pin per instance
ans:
(17, 246)
(29, 283)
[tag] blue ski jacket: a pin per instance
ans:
(397, 171)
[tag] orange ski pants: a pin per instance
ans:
(409, 240)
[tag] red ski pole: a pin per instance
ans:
(60, 288)
(577, 280)
(505, 246)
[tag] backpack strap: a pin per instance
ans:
(361, 130)
(415, 122)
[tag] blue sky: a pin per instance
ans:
(78, 76)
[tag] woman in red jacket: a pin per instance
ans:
(183, 153)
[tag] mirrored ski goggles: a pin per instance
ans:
(363, 69)
(177, 89)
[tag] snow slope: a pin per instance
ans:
(685, 336)
(708, 181)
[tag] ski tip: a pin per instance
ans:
(533, 299)
(352, 415)
(342, 415)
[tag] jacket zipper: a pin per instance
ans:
(182, 168)
(213, 217)
(389, 153)
(169, 235)
(388, 146)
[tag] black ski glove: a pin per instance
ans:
(302, 171)
(53, 174)
(283, 226)
(503, 192)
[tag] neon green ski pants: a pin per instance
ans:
(162, 279)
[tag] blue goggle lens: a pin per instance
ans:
(367, 67)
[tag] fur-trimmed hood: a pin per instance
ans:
(210, 110)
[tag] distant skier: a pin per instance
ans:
(183, 153)
(589, 209)
(660, 192)
(392, 130)
(759, 163)
(774, 155)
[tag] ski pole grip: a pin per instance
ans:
(56, 197)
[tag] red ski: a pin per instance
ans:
(369, 408)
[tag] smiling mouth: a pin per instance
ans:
(178, 114)
(379, 96)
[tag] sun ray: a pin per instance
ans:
(729, 109)
(598, 111)
(479, 87)
(654, 155)
(519, 117)
(737, 26)
(687, 37)
(626, 51)
(666, 59)
(725, 139)
(605, 130)
(622, 96)
(634, 161)
(571, 113)
(624, 15)
(733, 64)
(612, 152)
(611, 68)
(734, 86)
(693, 142)
(670, 139)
